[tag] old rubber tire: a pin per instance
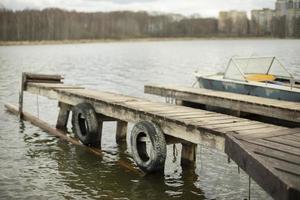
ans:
(156, 160)
(85, 124)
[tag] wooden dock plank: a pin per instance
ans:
(226, 121)
(273, 133)
(291, 168)
(247, 127)
(55, 85)
(276, 146)
(200, 120)
(287, 157)
(235, 124)
(284, 141)
(293, 137)
(191, 117)
(182, 114)
(261, 131)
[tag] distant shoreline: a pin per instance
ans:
(82, 41)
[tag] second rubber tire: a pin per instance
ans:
(156, 160)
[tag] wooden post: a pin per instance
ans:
(100, 126)
(23, 85)
(188, 153)
(63, 116)
(121, 130)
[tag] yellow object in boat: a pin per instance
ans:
(260, 77)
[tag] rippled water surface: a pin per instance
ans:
(35, 165)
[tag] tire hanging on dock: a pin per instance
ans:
(148, 146)
(85, 124)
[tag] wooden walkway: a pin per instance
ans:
(192, 125)
(283, 110)
(269, 154)
(272, 159)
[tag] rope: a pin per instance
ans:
(201, 163)
(37, 106)
(249, 189)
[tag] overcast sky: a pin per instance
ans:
(186, 7)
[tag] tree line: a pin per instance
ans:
(57, 24)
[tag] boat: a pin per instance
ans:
(257, 76)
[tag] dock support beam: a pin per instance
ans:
(188, 153)
(63, 116)
(121, 131)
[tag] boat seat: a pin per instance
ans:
(260, 77)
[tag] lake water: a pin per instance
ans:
(35, 165)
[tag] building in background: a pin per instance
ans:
(234, 23)
(281, 7)
(287, 19)
(284, 21)
(261, 21)
(293, 21)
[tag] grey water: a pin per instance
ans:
(35, 165)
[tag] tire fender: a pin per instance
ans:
(85, 124)
(156, 160)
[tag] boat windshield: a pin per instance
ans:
(256, 69)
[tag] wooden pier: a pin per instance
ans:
(284, 110)
(268, 153)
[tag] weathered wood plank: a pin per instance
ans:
(292, 137)
(53, 85)
(267, 134)
(260, 131)
(195, 117)
(284, 141)
(207, 119)
(182, 115)
(284, 156)
(293, 169)
(247, 127)
(234, 124)
(44, 76)
(275, 146)
(226, 121)
(179, 111)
